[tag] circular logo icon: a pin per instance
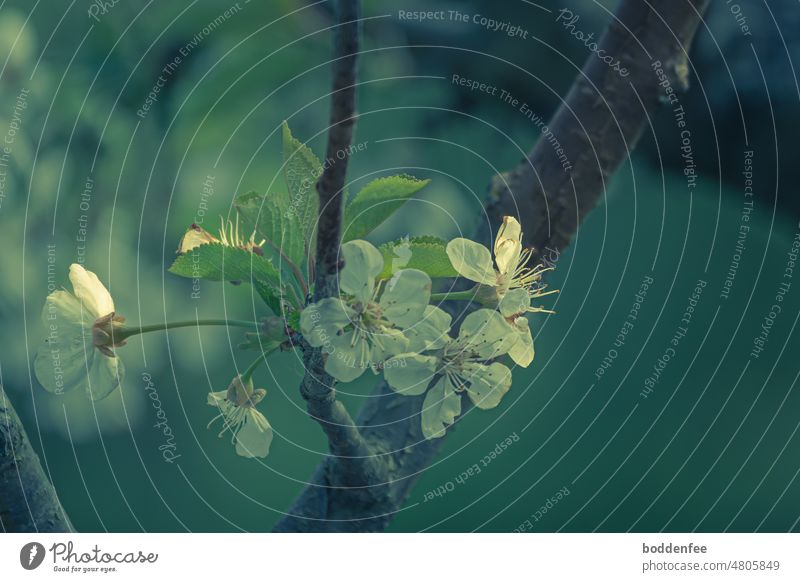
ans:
(31, 555)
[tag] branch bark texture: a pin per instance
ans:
(356, 466)
(599, 122)
(28, 501)
(597, 126)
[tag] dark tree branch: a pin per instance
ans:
(318, 387)
(354, 463)
(28, 502)
(340, 136)
(600, 121)
(598, 124)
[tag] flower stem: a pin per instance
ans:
(127, 332)
(468, 295)
(248, 373)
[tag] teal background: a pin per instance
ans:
(713, 448)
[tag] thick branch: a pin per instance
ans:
(598, 124)
(28, 502)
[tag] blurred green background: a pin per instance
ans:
(713, 448)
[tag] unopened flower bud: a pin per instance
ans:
(273, 328)
(241, 393)
(487, 296)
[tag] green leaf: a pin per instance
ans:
(376, 202)
(426, 253)
(301, 169)
(270, 217)
(216, 262)
(293, 320)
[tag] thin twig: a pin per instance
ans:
(357, 465)
(340, 136)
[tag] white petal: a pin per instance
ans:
(488, 384)
(406, 295)
(410, 374)
(362, 263)
(105, 376)
(63, 310)
(387, 343)
(321, 322)
(486, 332)
(522, 352)
(432, 332)
(62, 363)
(508, 245)
(90, 291)
(255, 436)
(218, 399)
(195, 237)
(345, 361)
(515, 301)
(472, 260)
(440, 408)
